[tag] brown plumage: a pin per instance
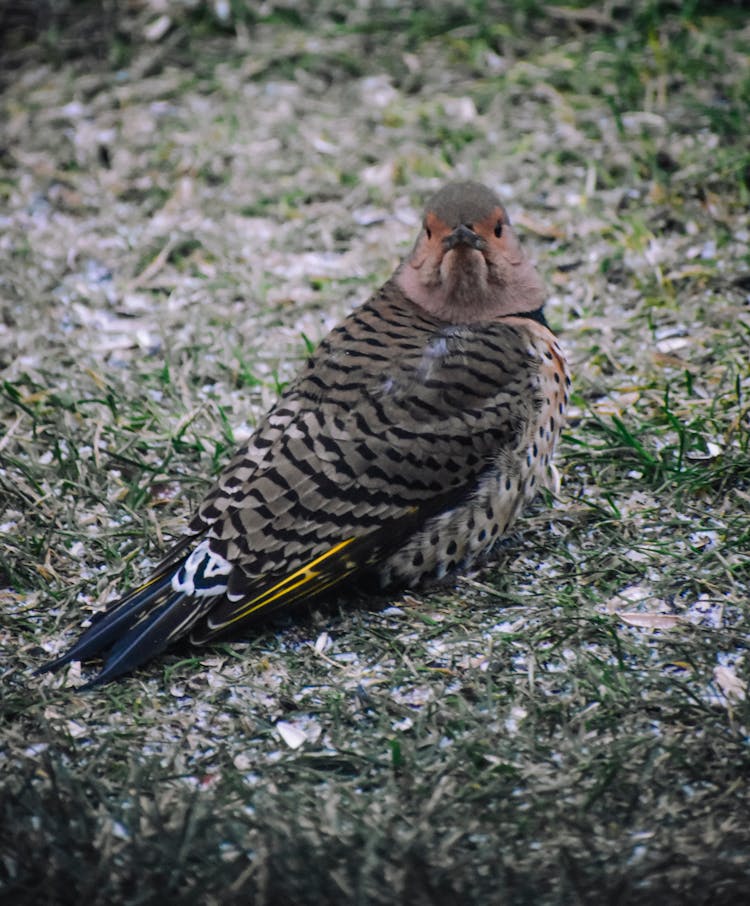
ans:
(407, 444)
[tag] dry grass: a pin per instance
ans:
(187, 203)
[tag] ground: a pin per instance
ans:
(192, 194)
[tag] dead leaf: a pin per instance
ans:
(650, 620)
(730, 684)
(616, 403)
(292, 736)
(545, 230)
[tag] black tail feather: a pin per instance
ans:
(112, 624)
(150, 635)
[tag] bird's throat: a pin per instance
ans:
(457, 295)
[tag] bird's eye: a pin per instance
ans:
(499, 229)
(428, 231)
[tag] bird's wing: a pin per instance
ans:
(393, 420)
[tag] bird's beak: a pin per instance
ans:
(462, 235)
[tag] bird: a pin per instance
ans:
(405, 447)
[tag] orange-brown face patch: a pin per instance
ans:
(437, 229)
(487, 226)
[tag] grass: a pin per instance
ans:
(182, 219)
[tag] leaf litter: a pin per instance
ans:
(172, 237)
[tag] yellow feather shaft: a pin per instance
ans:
(302, 577)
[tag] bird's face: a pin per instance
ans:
(467, 264)
(468, 255)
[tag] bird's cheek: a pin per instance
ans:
(430, 270)
(512, 252)
(502, 263)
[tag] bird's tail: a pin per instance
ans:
(139, 626)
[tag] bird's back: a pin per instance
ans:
(412, 441)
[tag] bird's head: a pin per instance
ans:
(467, 265)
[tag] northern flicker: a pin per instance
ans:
(405, 447)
